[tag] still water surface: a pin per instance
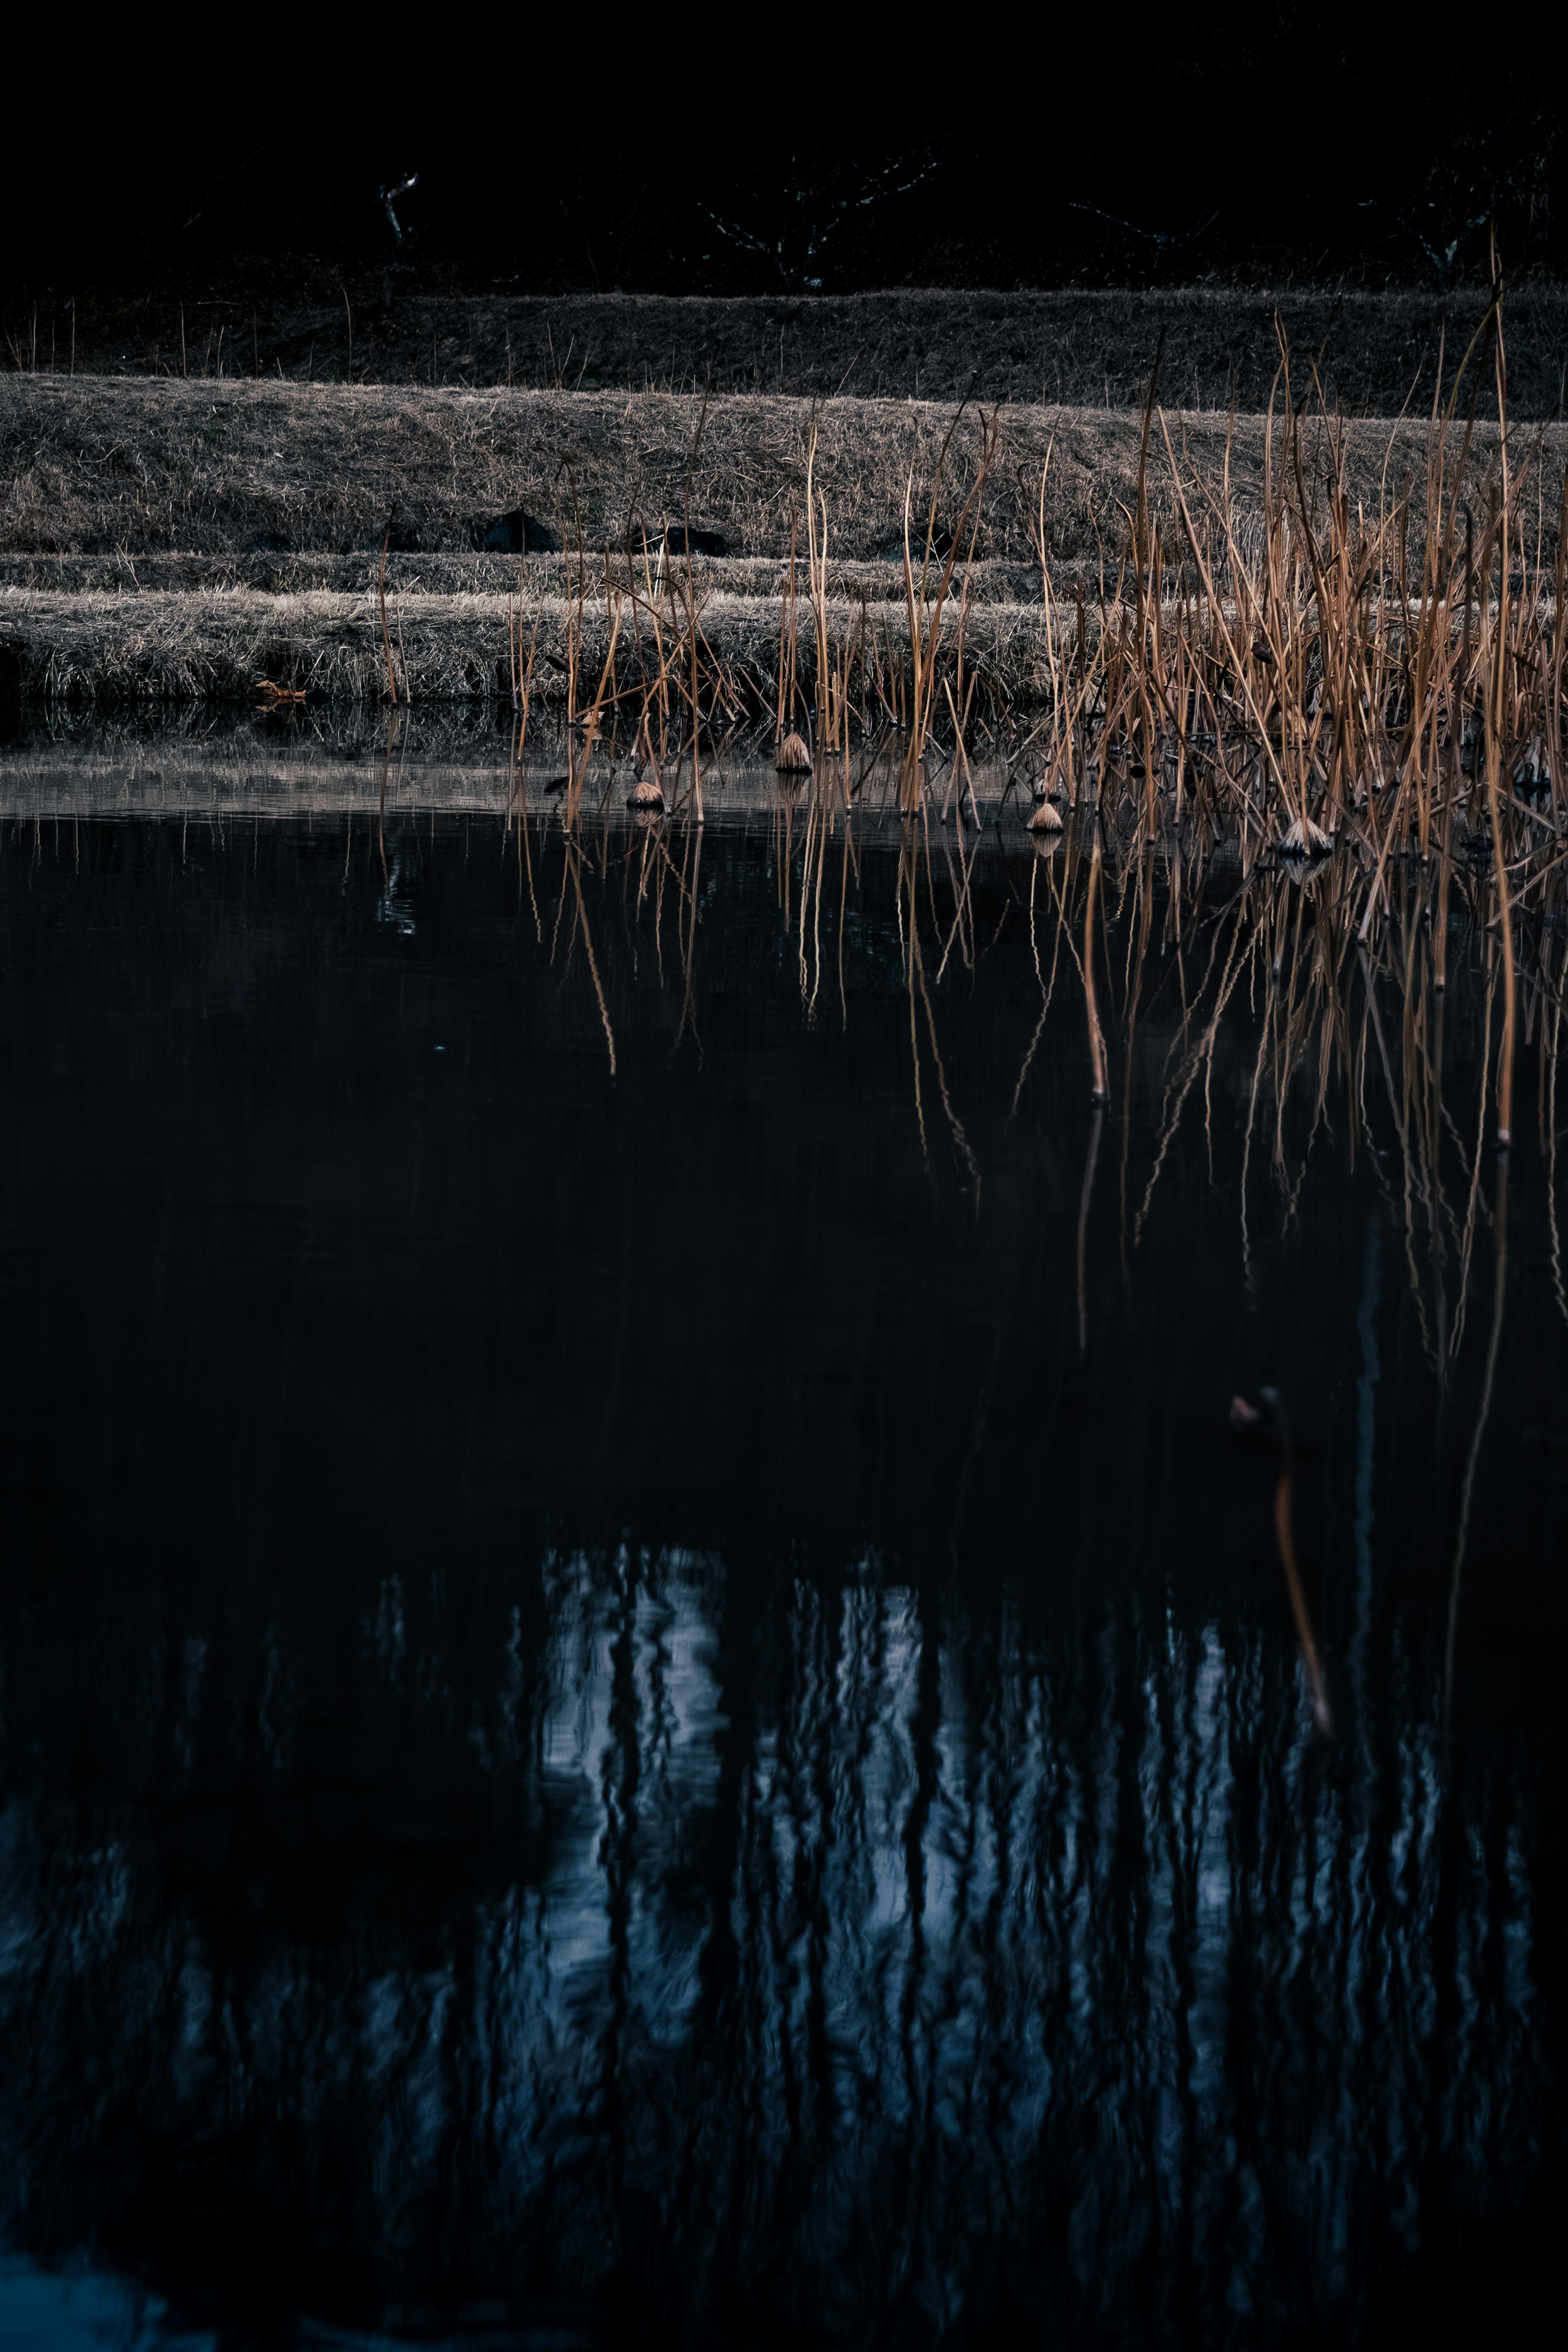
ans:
(661, 1706)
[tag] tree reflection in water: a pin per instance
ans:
(966, 1959)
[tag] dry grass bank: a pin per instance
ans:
(102, 647)
(285, 574)
(136, 467)
(1077, 349)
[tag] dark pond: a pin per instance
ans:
(662, 1707)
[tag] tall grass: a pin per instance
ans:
(1374, 692)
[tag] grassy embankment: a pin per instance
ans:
(176, 539)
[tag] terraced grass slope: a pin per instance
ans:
(177, 537)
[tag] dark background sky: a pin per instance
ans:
(1258, 143)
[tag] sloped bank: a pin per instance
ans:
(128, 468)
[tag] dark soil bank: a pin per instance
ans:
(1221, 344)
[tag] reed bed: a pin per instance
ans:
(1336, 685)
(1156, 945)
